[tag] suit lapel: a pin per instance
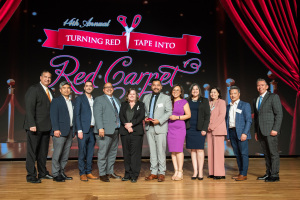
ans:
(86, 101)
(157, 102)
(63, 101)
(267, 95)
(44, 92)
(109, 102)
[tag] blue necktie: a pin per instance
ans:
(152, 107)
(259, 102)
(116, 112)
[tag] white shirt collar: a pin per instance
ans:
(235, 103)
(263, 95)
(45, 88)
(66, 98)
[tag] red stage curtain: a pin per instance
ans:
(7, 10)
(269, 29)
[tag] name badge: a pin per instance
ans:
(160, 105)
(239, 111)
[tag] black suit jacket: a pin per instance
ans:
(269, 116)
(203, 115)
(137, 120)
(37, 107)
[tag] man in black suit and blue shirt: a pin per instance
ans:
(61, 113)
(267, 120)
(38, 126)
(238, 123)
(84, 124)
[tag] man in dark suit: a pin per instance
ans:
(107, 124)
(38, 126)
(61, 113)
(84, 124)
(238, 123)
(267, 120)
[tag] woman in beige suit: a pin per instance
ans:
(216, 135)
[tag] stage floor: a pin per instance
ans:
(14, 186)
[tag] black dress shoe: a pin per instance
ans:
(133, 180)
(104, 178)
(194, 178)
(272, 179)
(66, 177)
(210, 176)
(59, 178)
(264, 177)
(125, 178)
(34, 180)
(200, 179)
(219, 177)
(47, 176)
(113, 175)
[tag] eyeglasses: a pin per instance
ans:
(108, 87)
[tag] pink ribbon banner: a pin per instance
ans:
(138, 41)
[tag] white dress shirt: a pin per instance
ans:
(46, 88)
(91, 102)
(70, 109)
(232, 113)
(263, 95)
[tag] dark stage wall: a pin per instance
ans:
(219, 58)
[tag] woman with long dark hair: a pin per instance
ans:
(177, 130)
(197, 127)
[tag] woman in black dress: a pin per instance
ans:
(197, 127)
(132, 114)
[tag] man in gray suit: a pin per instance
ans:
(158, 108)
(107, 123)
(267, 120)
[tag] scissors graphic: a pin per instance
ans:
(136, 21)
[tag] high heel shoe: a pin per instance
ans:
(175, 174)
(179, 178)
(194, 177)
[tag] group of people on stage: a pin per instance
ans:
(166, 119)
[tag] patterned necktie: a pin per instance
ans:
(116, 111)
(259, 102)
(152, 107)
(48, 94)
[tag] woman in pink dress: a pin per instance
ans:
(177, 130)
(216, 135)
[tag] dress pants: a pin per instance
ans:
(61, 150)
(240, 149)
(157, 145)
(269, 146)
(107, 153)
(132, 152)
(215, 152)
(86, 152)
(37, 150)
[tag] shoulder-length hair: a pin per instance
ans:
(219, 91)
(181, 93)
(127, 93)
(190, 91)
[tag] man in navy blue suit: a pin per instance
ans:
(238, 121)
(84, 124)
(61, 114)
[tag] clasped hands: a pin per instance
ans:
(128, 126)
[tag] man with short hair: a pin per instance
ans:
(267, 120)
(61, 113)
(38, 126)
(158, 108)
(84, 124)
(107, 124)
(238, 123)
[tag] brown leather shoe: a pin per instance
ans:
(241, 178)
(235, 177)
(104, 178)
(150, 177)
(90, 176)
(161, 178)
(83, 177)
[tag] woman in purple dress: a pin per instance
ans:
(177, 130)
